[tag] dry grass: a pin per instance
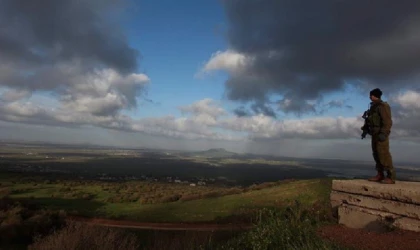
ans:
(81, 236)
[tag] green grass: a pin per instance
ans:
(213, 208)
(292, 227)
(285, 215)
(55, 196)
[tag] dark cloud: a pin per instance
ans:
(337, 104)
(75, 50)
(241, 112)
(256, 108)
(261, 108)
(294, 104)
(305, 48)
(36, 36)
(13, 95)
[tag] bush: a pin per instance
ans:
(290, 228)
(88, 196)
(261, 186)
(190, 197)
(212, 194)
(170, 198)
(81, 236)
(19, 223)
(65, 189)
(5, 192)
(233, 190)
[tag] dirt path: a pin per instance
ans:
(362, 239)
(160, 226)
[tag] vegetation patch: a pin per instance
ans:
(292, 227)
(81, 236)
(162, 202)
(20, 222)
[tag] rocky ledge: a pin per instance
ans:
(375, 206)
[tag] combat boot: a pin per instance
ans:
(390, 178)
(379, 177)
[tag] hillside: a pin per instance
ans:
(95, 202)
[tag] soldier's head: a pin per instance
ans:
(375, 94)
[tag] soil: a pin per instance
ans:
(362, 239)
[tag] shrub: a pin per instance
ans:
(233, 190)
(289, 228)
(170, 198)
(88, 196)
(65, 189)
(212, 194)
(21, 222)
(144, 200)
(81, 236)
(190, 197)
(5, 192)
(262, 185)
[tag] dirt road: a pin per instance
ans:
(160, 226)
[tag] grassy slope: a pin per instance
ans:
(306, 191)
(210, 209)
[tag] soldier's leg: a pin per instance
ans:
(375, 153)
(385, 158)
(379, 168)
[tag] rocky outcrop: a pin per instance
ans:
(375, 206)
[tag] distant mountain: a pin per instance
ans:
(213, 153)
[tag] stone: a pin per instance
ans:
(395, 207)
(408, 224)
(403, 191)
(373, 220)
(356, 217)
(375, 206)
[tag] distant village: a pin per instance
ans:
(44, 169)
(168, 179)
(27, 168)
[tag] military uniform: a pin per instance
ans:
(380, 123)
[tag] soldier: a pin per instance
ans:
(380, 123)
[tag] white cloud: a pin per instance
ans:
(207, 119)
(11, 95)
(406, 115)
(103, 92)
(408, 100)
(23, 109)
(228, 60)
(265, 127)
(108, 104)
(206, 106)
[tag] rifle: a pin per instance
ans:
(366, 127)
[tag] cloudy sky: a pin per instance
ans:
(276, 76)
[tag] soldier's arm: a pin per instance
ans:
(385, 113)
